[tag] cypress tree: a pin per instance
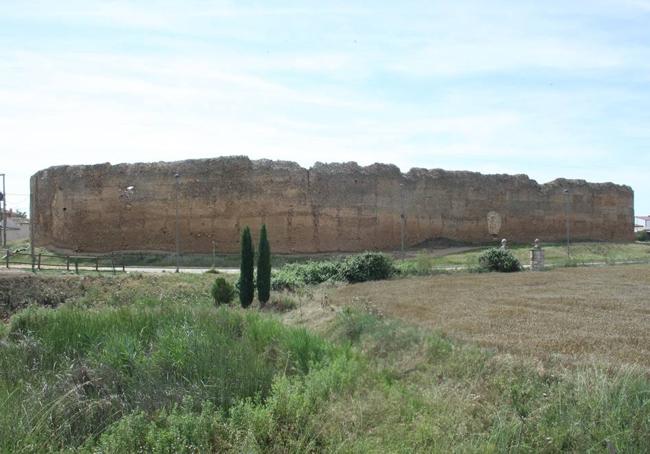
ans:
(264, 268)
(246, 280)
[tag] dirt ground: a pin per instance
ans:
(569, 314)
(19, 289)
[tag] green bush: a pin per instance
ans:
(222, 291)
(502, 260)
(285, 280)
(264, 268)
(295, 275)
(318, 272)
(369, 266)
(247, 269)
(643, 235)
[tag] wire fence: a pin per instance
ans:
(114, 262)
(49, 261)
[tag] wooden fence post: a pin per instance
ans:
(76, 265)
(123, 264)
(39, 261)
(96, 263)
(67, 262)
(8, 254)
(113, 262)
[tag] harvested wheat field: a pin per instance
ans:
(571, 314)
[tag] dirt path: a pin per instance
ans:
(573, 313)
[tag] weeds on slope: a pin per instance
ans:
(68, 375)
(155, 377)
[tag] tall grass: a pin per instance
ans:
(67, 374)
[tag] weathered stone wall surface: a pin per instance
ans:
(329, 207)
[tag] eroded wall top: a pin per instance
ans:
(328, 207)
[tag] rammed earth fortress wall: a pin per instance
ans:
(329, 207)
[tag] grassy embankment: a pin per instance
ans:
(147, 363)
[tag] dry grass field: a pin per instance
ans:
(572, 314)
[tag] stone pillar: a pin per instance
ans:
(536, 257)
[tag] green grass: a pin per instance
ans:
(430, 394)
(69, 375)
(555, 255)
(148, 364)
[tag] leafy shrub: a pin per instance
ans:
(318, 272)
(223, 291)
(369, 266)
(179, 429)
(295, 275)
(502, 260)
(643, 235)
(285, 279)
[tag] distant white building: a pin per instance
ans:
(643, 225)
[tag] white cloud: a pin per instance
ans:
(453, 59)
(643, 5)
(329, 83)
(168, 15)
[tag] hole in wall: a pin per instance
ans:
(127, 192)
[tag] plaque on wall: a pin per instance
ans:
(493, 223)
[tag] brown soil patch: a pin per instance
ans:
(578, 314)
(18, 290)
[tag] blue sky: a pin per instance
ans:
(551, 89)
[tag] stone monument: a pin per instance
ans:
(536, 257)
